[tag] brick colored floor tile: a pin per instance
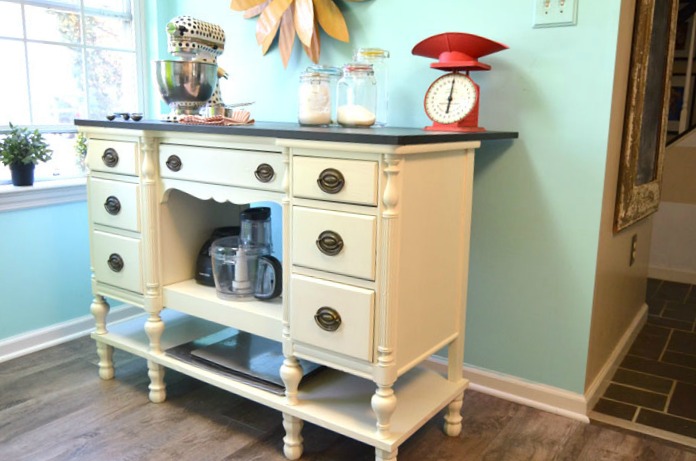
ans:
(665, 370)
(660, 366)
(670, 323)
(682, 342)
(692, 296)
(667, 422)
(650, 342)
(673, 291)
(643, 381)
(683, 401)
(617, 409)
(634, 396)
(651, 288)
(678, 311)
(676, 358)
(656, 306)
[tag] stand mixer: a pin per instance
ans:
(191, 83)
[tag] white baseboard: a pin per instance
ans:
(545, 397)
(673, 275)
(536, 395)
(601, 381)
(26, 343)
(514, 389)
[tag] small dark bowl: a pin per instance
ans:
(111, 117)
(137, 117)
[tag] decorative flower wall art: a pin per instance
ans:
(291, 16)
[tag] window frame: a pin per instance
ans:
(47, 190)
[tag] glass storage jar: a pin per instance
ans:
(314, 103)
(357, 96)
(334, 74)
(378, 58)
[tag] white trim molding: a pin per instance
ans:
(42, 193)
(535, 395)
(542, 396)
(35, 340)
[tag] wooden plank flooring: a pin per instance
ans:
(53, 406)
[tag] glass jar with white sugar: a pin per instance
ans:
(314, 102)
(357, 96)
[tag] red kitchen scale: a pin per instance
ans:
(452, 100)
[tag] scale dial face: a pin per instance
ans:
(450, 98)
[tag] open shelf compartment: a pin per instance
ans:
(332, 399)
(262, 318)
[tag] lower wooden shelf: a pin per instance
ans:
(331, 399)
(262, 318)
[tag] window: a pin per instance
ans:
(69, 59)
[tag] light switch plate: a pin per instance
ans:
(555, 13)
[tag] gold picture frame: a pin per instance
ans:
(647, 105)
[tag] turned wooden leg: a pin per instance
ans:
(154, 327)
(383, 455)
(106, 362)
(158, 390)
(453, 418)
(100, 309)
(383, 404)
(291, 374)
(292, 447)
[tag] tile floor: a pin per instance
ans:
(655, 385)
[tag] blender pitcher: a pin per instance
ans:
(256, 228)
(256, 232)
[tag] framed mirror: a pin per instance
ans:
(647, 106)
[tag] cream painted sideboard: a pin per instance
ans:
(398, 201)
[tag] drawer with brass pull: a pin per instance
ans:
(348, 181)
(115, 203)
(113, 157)
(334, 241)
(332, 316)
(117, 261)
(231, 167)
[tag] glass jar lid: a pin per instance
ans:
(308, 75)
(352, 67)
(328, 70)
(370, 53)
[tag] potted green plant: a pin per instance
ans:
(22, 150)
(81, 151)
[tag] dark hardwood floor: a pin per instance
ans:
(54, 407)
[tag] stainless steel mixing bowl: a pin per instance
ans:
(186, 85)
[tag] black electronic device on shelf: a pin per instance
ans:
(204, 265)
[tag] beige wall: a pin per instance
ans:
(678, 176)
(673, 246)
(619, 288)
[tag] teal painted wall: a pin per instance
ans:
(537, 200)
(44, 274)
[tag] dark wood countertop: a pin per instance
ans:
(283, 130)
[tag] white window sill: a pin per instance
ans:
(42, 193)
